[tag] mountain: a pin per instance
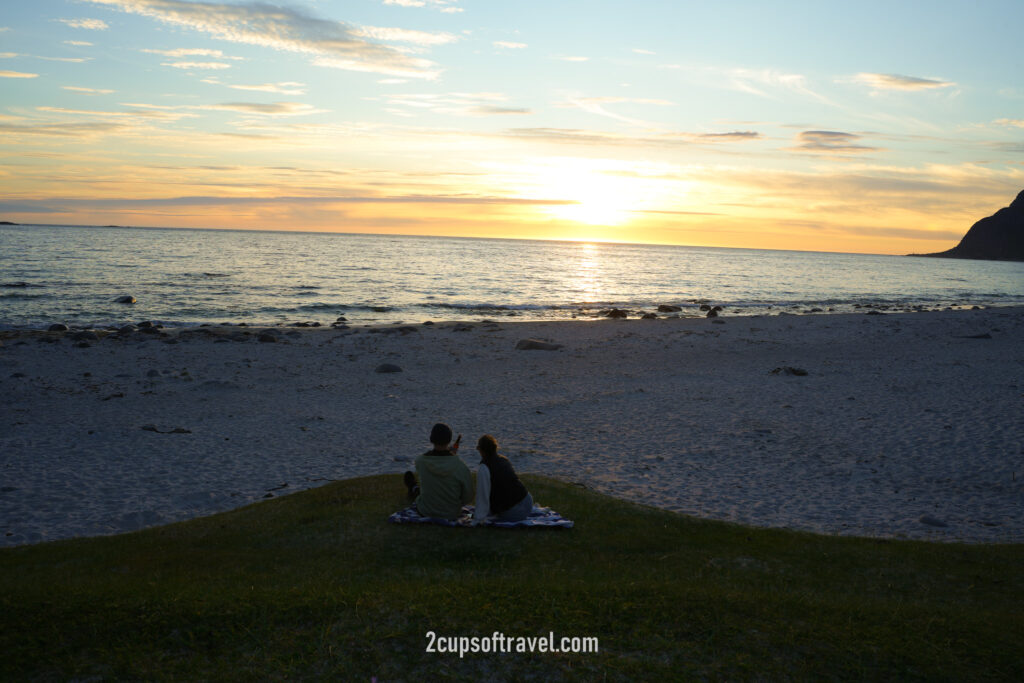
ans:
(1000, 237)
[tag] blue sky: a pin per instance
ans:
(878, 127)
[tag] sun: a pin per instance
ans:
(598, 192)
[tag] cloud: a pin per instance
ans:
(457, 104)
(596, 105)
(898, 82)
(402, 35)
(197, 65)
(830, 142)
(192, 52)
(91, 24)
(575, 136)
(87, 91)
(510, 45)
(1015, 123)
(574, 59)
(73, 60)
(8, 55)
(447, 6)
(332, 44)
(263, 109)
(17, 74)
(285, 88)
(78, 43)
(641, 51)
(71, 130)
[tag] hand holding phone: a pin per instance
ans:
(455, 446)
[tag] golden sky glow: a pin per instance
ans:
(475, 118)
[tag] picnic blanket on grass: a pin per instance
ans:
(539, 517)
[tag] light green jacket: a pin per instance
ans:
(445, 484)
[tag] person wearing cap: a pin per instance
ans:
(445, 483)
(499, 493)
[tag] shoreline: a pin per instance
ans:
(905, 426)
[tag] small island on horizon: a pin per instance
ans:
(999, 237)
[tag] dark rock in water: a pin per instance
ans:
(58, 327)
(380, 309)
(387, 367)
(145, 325)
(128, 329)
(999, 237)
(666, 308)
(705, 307)
(266, 338)
(932, 521)
(15, 284)
(649, 316)
(875, 313)
(341, 319)
(125, 300)
(536, 345)
(712, 313)
(616, 313)
(428, 322)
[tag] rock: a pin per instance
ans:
(128, 329)
(712, 313)
(649, 316)
(145, 325)
(536, 345)
(667, 308)
(341, 319)
(387, 368)
(58, 327)
(616, 313)
(999, 237)
(705, 307)
(788, 370)
(266, 338)
(127, 299)
(932, 521)
(875, 313)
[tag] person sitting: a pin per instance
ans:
(499, 493)
(445, 484)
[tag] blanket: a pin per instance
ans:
(539, 517)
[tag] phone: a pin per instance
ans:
(458, 441)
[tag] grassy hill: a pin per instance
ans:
(317, 585)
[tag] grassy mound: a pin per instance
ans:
(318, 585)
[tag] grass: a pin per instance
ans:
(317, 585)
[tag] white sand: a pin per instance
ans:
(899, 418)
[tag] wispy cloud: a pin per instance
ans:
(597, 105)
(573, 59)
(1013, 123)
(87, 91)
(17, 74)
(285, 88)
(78, 43)
(197, 65)
(447, 6)
(91, 24)
(192, 52)
(641, 51)
(457, 104)
(898, 82)
(508, 45)
(332, 44)
(263, 109)
(597, 138)
(402, 35)
(830, 142)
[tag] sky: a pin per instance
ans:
(872, 127)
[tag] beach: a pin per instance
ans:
(889, 425)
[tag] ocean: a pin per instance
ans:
(75, 274)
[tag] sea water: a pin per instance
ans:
(75, 274)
